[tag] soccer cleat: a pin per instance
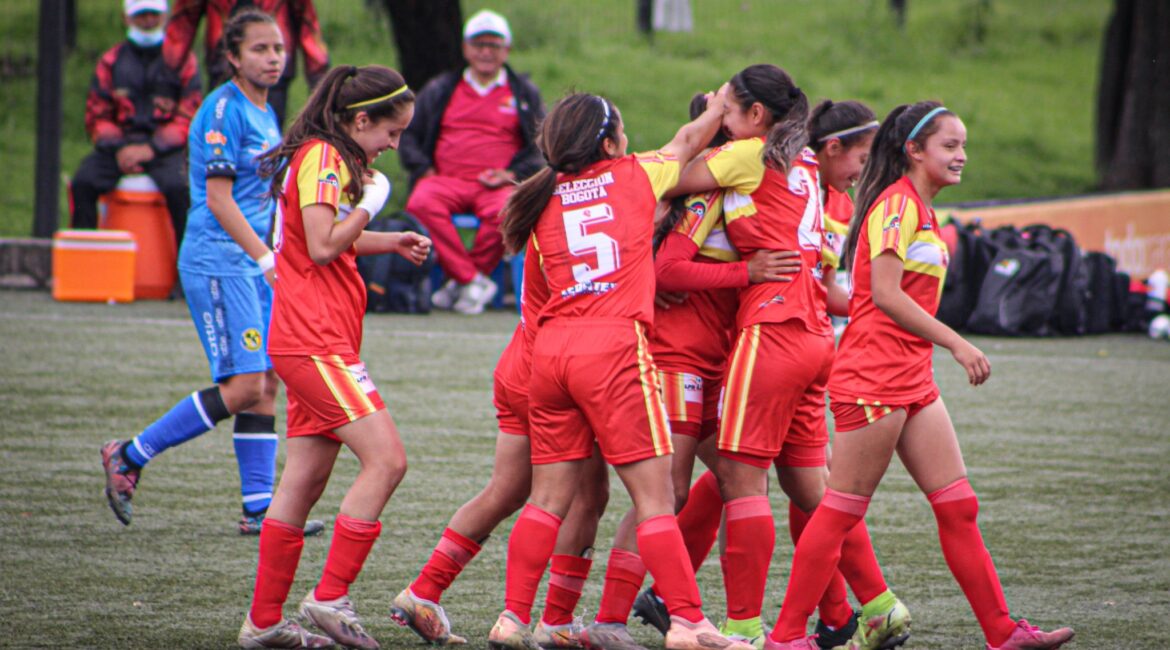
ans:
(552, 637)
(754, 638)
(608, 636)
(1029, 637)
(510, 634)
(701, 635)
(251, 524)
(338, 619)
(427, 619)
(475, 295)
(839, 638)
(285, 634)
(446, 296)
(650, 608)
(889, 629)
(804, 643)
(121, 480)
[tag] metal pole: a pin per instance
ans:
(50, 85)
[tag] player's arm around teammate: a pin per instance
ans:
(591, 216)
(884, 403)
(327, 194)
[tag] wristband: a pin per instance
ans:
(267, 261)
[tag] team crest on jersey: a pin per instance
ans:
(508, 105)
(215, 137)
(892, 222)
(698, 208)
(252, 339)
(329, 177)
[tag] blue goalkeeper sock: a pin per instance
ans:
(255, 441)
(194, 415)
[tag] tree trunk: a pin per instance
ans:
(1133, 101)
(428, 35)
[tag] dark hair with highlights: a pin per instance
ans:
(774, 89)
(830, 117)
(888, 161)
(571, 138)
(236, 31)
(326, 112)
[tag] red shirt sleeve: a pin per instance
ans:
(310, 41)
(181, 28)
(101, 105)
(675, 268)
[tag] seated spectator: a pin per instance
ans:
(472, 139)
(137, 114)
(298, 23)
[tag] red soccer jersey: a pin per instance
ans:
(477, 132)
(316, 309)
(767, 211)
(695, 336)
(595, 238)
(877, 359)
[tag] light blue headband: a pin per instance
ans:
(921, 123)
(605, 122)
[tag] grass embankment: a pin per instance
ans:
(1026, 91)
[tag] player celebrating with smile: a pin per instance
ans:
(327, 196)
(882, 387)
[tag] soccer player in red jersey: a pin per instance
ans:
(589, 217)
(417, 606)
(882, 388)
(772, 202)
(327, 194)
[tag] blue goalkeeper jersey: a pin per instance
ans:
(226, 139)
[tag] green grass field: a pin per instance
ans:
(1027, 90)
(1066, 446)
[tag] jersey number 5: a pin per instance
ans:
(582, 242)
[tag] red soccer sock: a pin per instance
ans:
(816, 559)
(956, 508)
(352, 541)
(859, 565)
(280, 553)
(566, 581)
(623, 578)
(661, 546)
(751, 538)
(529, 547)
(451, 554)
(834, 608)
(699, 519)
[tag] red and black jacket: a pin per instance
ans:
(297, 20)
(135, 98)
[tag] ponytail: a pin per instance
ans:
(345, 91)
(774, 89)
(524, 207)
(571, 138)
(888, 161)
(848, 122)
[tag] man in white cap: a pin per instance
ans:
(472, 139)
(137, 115)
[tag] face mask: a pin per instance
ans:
(142, 38)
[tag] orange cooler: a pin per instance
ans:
(137, 206)
(93, 265)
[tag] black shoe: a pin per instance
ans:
(828, 639)
(652, 611)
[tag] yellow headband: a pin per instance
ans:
(375, 100)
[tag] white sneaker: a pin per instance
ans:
(446, 296)
(476, 295)
(338, 619)
(285, 634)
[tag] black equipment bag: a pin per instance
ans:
(1020, 291)
(1071, 312)
(393, 284)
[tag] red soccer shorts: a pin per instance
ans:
(594, 378)
(852, 413)
(774, 368)
(807, 436)
(510, 385)
(692, 403)
(325, 392)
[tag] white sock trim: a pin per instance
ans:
(203, 414)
